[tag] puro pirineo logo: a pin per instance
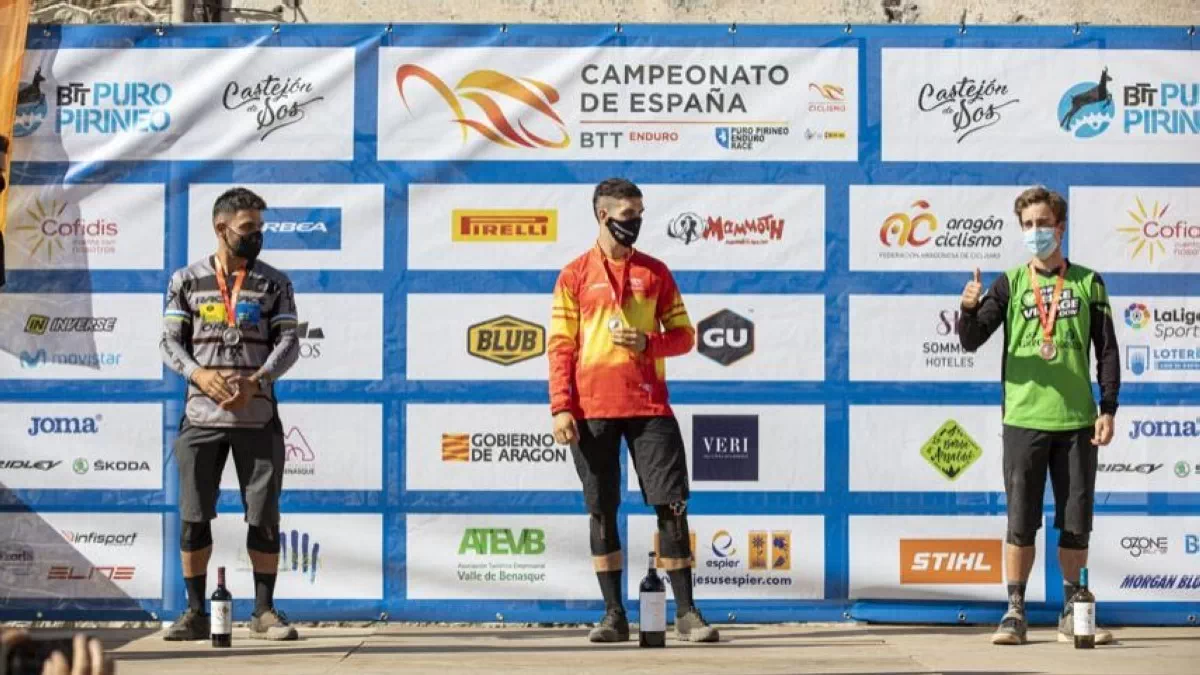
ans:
(478, 87)
(901, 229)
(951, 561)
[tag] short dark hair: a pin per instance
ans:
(1038, 194)
(615, 187)
(238, 199)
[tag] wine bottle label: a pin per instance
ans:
(1085, 618)
(222, 617)
(653, 609)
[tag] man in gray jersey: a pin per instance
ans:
(230, 330)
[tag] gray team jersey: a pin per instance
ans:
(194, 319)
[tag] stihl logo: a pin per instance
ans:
(951, 561)
(68, 573)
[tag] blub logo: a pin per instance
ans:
(723, 137)
(1137, 358)
(302, 229)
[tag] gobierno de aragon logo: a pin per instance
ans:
(477, 91)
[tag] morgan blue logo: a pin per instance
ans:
(302, 229)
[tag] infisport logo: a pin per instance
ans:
(504, 225)
(506, 340)
(302, 229)
(99, 539)
(951, 561)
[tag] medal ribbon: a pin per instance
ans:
(618, 290)
(1047, 317)
(228, 297)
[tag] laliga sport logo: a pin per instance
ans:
(1086, 109)
(476, 87)
(1137, 316)
(904, 230)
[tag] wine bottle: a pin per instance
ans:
(222, 613)
(1084, 609)
(652, 608)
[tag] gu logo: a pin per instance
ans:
(901, 229)
(726, 337)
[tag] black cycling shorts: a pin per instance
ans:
(258, 457)
(1070, 458)
(656, 446)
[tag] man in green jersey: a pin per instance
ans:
(1052, 310)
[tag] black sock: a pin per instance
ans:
(195, 591)
(610, 588)
(681, 585)
(264, 592)
(1016, 597)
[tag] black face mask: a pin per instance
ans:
(624, 231)
(246, 246)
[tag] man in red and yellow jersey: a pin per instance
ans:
(617, 316)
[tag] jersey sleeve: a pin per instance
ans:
(677, 335)
(282, 319)
(175, 342)
(1104, 340)
(976, 325)
(563, 346)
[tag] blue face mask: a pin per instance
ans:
(1041, 241)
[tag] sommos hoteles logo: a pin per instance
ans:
(478, 87)
(506, 340)
(503, 225)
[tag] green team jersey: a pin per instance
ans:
(1054, 395)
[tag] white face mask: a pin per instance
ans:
(1041, 241)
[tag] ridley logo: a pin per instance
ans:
(506, 340)
(950, 561)
(504, 225)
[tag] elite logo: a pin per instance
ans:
(951, 450)
(506, 340)
(951, 561)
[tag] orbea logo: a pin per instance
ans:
(302, 229)
(477, 87)
(64, 425)
(901, 229)
(1137, 316)
(503, 225)
(1148, 233)
(951, 561)
(1086, 109)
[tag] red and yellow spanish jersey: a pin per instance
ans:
(589, 375)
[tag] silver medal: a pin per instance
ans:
(614, 324)
(231, 336)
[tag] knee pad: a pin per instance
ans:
(1022, 539)
(604, 536)
(674, 541)
(195, 536)
(1070, 540)
(263, 538)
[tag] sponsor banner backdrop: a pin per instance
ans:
(751, 448)
(1136, 229)
(902, 448)
(328, 446)
(1159, 338)
(56, 557)
(525, 227)
(499, 557)
(1146, 559)
(632, 103)
(341, 336)
(764, 557)
(317, 226)
(85, 226)
(105, 336)
(81, 446)
(1154, 449)
(1040, 105)
(921, 343)
(934, 558)
(935, 228)
(253, 103)
(321, 556)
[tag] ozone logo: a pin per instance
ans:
(1086, 109)
(1137, 316)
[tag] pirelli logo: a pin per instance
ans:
(951, 561)
(504, 225)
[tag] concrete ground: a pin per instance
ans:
(744, 649)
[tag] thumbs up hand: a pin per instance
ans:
(972, 291)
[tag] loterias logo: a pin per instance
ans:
(726, 337)
(501, 447)
(691, 227)
(906, 235)
(479, 87)
(39, 324)
(725, 447)
(1164, 428)
(491, 543)
(113, 107)
(951, 450)
(951, 561)
(46, 426)
(298, 454)
(302, 229)
(947, 352)
(47, 235)
(506, 340)
(504, 225)
(31, 106)
(1140, 359)
(968, 104)
(1087, 110)
(1150, 232)
(274, 103)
